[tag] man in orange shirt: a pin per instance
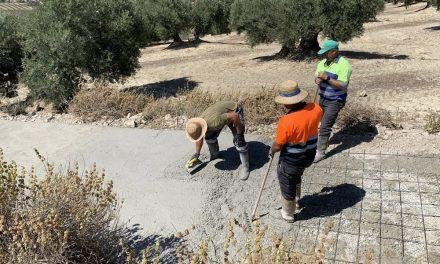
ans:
(296, 138)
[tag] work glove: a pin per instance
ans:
(193, 161)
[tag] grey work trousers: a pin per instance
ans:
(289, 176)
(331, 110)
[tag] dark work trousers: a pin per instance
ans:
(331, 110)
(289, 176)
(239, 143)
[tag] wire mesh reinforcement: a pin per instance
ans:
(384, 203)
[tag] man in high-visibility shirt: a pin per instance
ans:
(296, 137)
(333, 76)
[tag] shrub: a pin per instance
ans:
(296, 24)
(58, 218)
(356, 118)
(68, 39)
(253, 245)
(432, 125)
(99, 102)
(11, 54)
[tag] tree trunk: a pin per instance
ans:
(177, 38)
(309, 46)
(286, 51)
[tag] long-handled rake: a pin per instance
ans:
(263, 184)
(315, 95)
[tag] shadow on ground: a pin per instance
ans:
(330, 201)
(164, 89)
(363, 55)
(196, 43)
(351, 137)
(434, 28)
(266, 58)
(185, 44)
(258, 157)
(139, 243)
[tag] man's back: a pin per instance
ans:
(298, 131)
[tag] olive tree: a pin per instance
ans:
(65, 40)
(297, 24)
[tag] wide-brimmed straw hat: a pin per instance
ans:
(289, 93)
(196, 129)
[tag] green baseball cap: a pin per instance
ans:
(328, 45)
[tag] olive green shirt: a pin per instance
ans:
(216, 115)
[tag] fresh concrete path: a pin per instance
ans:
(141, 163)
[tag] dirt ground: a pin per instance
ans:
(395, 62)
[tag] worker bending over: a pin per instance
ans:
(209, 125)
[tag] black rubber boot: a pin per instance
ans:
(213, 150)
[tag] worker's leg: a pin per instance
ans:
(289, 178)
(211, 139)
(331, 112)
(241, 145)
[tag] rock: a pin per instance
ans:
(137, 117)
(49, 118)
(182, 120)
(130, 123)
(168, 117)
(133, 121)
(36, 107)
(362, 94)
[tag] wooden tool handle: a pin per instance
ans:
(263, 183)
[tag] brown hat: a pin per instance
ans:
(289, 93)
(196, 129)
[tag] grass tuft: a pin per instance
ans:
(356, 118)
(432, 125)
(15, 109)
(102, 102)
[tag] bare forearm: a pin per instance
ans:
(275, 148)
(236, 122)
(337, 84)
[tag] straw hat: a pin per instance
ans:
(290, 94)
(196, 129)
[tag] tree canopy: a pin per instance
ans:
(297, 24)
